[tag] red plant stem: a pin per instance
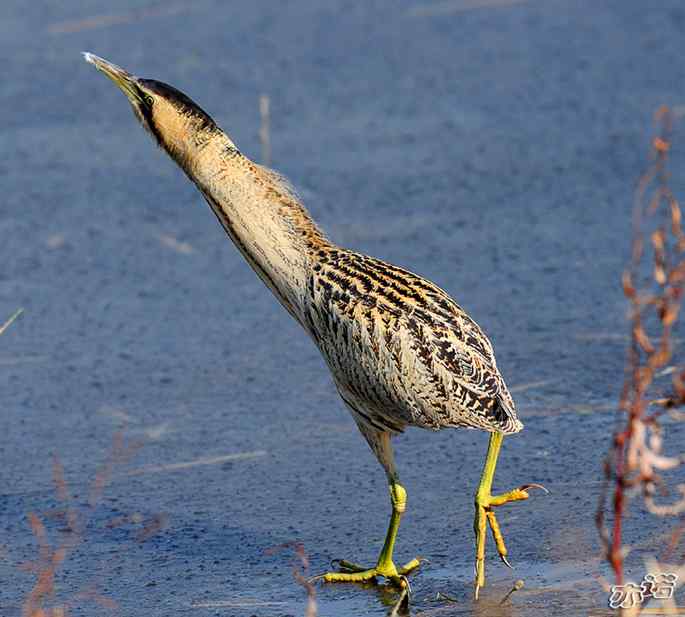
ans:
(619, 503)
(655, 297)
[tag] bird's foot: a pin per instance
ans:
(353, 573)
(485, 516)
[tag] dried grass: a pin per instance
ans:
(300, 573)
(265, 128)
(41, 600)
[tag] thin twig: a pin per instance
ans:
(9, 322)
(265, 128)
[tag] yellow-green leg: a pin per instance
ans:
(385, 566)
(485, 515)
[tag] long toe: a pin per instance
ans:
(363, 576)
(410, 566)
(354, 573)
(485, 517)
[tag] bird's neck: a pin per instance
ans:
(261, 214)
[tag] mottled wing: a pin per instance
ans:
(401, 351)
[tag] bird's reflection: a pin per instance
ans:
(442, 604)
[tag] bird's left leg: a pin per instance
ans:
(385, 566)
(485, 515)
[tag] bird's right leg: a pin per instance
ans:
(385, 566)
(485, 515)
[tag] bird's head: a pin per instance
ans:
(176, 122)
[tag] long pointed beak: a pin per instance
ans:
(123, 79)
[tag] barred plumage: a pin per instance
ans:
(401, 351)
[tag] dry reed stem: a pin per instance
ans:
(265, 128)
(300, 570)
(12, 318)
(49, 559)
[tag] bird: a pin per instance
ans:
(402, 353)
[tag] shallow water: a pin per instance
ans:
(494, 150)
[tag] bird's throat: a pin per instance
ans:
(260, 213)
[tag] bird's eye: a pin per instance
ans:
(149, 100)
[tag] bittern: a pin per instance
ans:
(401, 351)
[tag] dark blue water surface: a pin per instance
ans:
(494, 149)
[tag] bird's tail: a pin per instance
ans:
(504, 417)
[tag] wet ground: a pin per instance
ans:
(490, 146)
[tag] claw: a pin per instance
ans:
(526, 487)
(506, 563)
(346, 566)
(405, 584)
